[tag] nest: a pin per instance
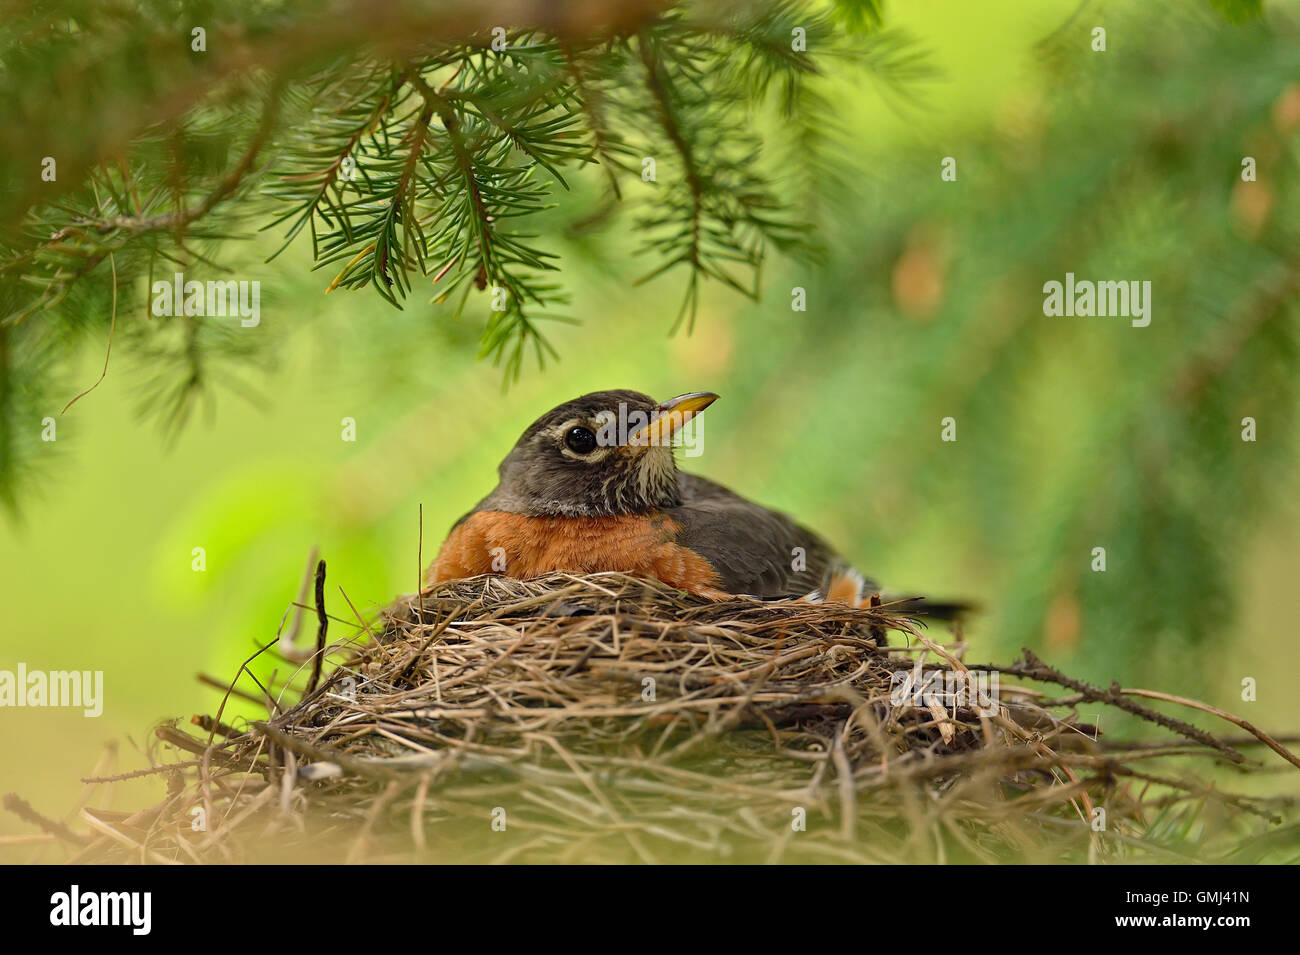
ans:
(607, 719)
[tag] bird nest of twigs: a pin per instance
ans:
(609, 718)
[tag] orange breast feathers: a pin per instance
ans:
(495, 542)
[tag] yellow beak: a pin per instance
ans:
(670, 416)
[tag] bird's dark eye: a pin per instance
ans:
(580, 440)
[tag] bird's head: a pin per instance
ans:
(609, 452)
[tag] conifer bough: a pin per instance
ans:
(416, 144)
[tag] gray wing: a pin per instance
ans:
(752, 548)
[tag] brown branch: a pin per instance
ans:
(323, 625)
(1259, 734)
(23, 810)
(1035, 669)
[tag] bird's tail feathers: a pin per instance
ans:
(846, 585)
(946, 610)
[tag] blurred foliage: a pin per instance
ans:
(1091, 432)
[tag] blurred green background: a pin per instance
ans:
(1072, 433)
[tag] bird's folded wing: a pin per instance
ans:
(754, 550)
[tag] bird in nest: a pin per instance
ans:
(593, 485)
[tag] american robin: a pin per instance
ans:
(593, 486)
